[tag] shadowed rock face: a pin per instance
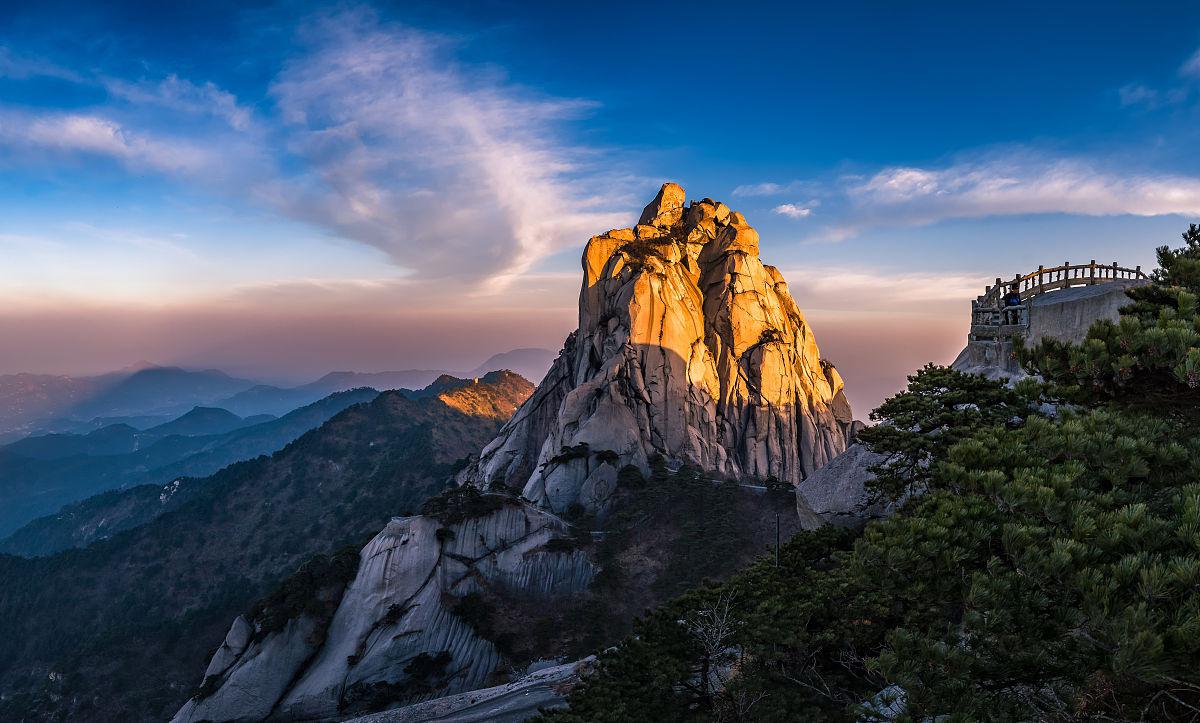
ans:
(688, 346)
(397, 607)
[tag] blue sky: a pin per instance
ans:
(189, 177)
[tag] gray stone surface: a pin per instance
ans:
(1066, 315)
(509, 703)
(258, 677)
(837, 493)
(301, 673)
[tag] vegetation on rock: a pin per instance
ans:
(313, 591)
(662, 536)
(1049, 569)
(457, 504)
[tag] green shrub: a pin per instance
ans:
(426, 666)
(394, 612)
(643, 250)
(314, 590)
(566, 454)
(630, 477)
(211, 684)
(461, 503)
(561, 544)
(607, 456)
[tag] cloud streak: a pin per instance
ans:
(1018, 186)
(1020, 182)
(1138, 95)
(91, 134)
(448, 169)
(373, 132)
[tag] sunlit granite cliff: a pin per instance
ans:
(689, 347)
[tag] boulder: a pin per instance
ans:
(837, 493)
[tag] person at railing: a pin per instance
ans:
(1010, 302)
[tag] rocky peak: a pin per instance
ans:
(688, 347)
(666, 209)
(496, 394)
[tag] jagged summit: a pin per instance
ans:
(688, 347)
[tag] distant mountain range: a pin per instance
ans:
(144, 395)
(529, 362)
(38, 475)
(267, 399)
(126, 622)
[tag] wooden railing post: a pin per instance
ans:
(989, 309)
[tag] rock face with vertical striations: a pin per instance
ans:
(689, 347)
(398, 607)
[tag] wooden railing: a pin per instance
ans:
(991, 319)
(1060, 277)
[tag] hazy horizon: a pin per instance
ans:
(272, 193)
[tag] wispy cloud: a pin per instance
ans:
(1014, 182)
(25, 134)
(18, 67)
(1017, 185)
(1191, 66)
(1137, 95)
(879, 290)
(373, 132)
(792, 210)
(771, 188)
(447, 168)
(1140, 95)
(178, 94)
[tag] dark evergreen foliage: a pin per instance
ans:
(461, 503)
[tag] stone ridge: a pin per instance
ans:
(496, 394)
(688, 347)
(399, 605)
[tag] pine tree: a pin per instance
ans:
(1151, 357)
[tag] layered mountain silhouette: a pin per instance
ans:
(39, 475)
(125, 622)
(145, 394)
